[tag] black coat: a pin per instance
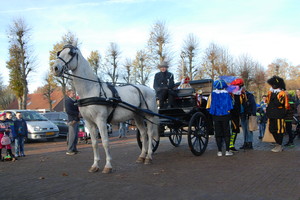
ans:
(163, 80)
(71, 109)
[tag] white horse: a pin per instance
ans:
(70, 58)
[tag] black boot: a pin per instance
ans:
(250, 145)
(244, 146)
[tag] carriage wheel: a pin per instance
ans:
(198, 134)
(175, 137)
(155, 142)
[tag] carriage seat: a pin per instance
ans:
(185, 92)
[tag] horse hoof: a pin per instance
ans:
(107, 170)
(93, 169)
(148, 161)
(140, 160)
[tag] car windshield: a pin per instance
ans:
(33, 116)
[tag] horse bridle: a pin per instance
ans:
(72, 53)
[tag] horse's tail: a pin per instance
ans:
(155, 128)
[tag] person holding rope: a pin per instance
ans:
(163, 85)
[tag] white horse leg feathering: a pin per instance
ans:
(87, 86)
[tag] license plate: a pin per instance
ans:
(50, 133)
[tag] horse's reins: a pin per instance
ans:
(66, 68)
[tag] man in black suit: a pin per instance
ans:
(163, 85)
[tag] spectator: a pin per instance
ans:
(21, 133)
(5, 131)
(262, 117)
(11, 123)
(219, 105)
(163, 85)
(122, 130)
(277, 101)
(288, 122)
(73, 119)
(297, 103)
(248, 109)
(239, 99)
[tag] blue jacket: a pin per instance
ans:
(12, 127)
(71, 109)
(21, 128)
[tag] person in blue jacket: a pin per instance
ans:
(21, 132)
(219, 105)
(248, 109)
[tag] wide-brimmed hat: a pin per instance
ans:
(163, 64)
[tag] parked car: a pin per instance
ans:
(39, 127)
(60, 119)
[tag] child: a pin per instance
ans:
(21, 131)
(5, 130)
(219, 105)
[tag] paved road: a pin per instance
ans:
(47, 173)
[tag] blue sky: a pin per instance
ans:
(263, 29)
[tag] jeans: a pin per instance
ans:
(19, 145)
(262, 128)
(248, 135)
(72, 137)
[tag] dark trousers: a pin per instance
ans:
(222, 131)
(277, 128)
(288, 128)
(165, 94)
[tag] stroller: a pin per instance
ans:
(82, 135)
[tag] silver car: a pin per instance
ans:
(39, 127)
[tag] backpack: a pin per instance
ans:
(5, 140)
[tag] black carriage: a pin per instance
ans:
(190, 118)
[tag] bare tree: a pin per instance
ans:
(128, 77)
(48, 88)
(112, 62)
(21, 59)
(190, 50)
(95, 61)
(216, 62)
(245, 67)
(6, 95)
(158, 43)
(278, 68)
(259, 80)
(142, 67)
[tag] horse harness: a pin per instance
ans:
(113, 101)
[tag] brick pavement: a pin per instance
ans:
(47, 173)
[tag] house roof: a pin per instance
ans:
(38, 101)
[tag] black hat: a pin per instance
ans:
(276, 82)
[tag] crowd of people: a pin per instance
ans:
(231, 104)
(12, 131)
(233, 108)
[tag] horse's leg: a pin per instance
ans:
(104, 137)
(141, 127)
(93, 131)
(150, 127)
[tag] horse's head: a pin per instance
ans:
(65, 60)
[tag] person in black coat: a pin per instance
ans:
(163, 85)
(73, 119)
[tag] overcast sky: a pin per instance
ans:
(263, 29)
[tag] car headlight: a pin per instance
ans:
(37, 128)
